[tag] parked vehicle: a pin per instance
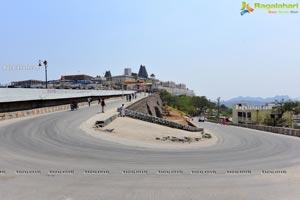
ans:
(201, 118)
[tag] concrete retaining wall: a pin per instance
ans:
(152, 105)
(106, 121)
(18, 99)
(34, 104)
(278, 130)
(28, 94)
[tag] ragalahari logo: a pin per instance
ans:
(246, 8)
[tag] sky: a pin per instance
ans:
(207, 45)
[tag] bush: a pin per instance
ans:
(190, 105)
(296, 126)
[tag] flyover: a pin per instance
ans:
(50, 157)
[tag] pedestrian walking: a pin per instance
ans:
(89, 101)
(224, 121)
(103, 105)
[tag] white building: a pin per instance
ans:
(127, 72)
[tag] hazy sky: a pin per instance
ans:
(206, 44)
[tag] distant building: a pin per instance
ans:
(28, 83)
(170, 84)
(173, 88)
(127, 72)
(181, 86)
(143, 72)
(135, 75)
(76, 77)
(121, 79)
(176, 91)
(107, 74)
(246, 114)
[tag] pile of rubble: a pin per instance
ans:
(184, 139)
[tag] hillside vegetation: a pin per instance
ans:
(191, 105)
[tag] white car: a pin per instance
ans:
(201, 118)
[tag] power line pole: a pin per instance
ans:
(219, 109)
(46, 65)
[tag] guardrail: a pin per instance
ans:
(277, 130)
(164, 122)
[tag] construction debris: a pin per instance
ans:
(184, 139)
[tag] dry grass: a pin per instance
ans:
(175, 115)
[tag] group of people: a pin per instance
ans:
(74, 103)
(100, 101)
(131, 96)
(103, 104)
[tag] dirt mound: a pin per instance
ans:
(175, 115)
(153, 106)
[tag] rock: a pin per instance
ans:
(109, 130)
(206, 135)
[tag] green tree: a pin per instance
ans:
(190, 105)
(200, 104)
(289, 107)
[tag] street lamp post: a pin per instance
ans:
(257, 117)
(45, 63)
(219, 109)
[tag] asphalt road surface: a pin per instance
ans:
(49, 157)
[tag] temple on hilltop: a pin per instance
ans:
(143, 72)
(107, 74)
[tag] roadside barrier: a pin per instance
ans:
(272, 129)
(105, 122)
(33, 112)
(40, 111)
(164, 122)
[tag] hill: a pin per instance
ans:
(255, 100)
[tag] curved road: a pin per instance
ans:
(49, 157)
